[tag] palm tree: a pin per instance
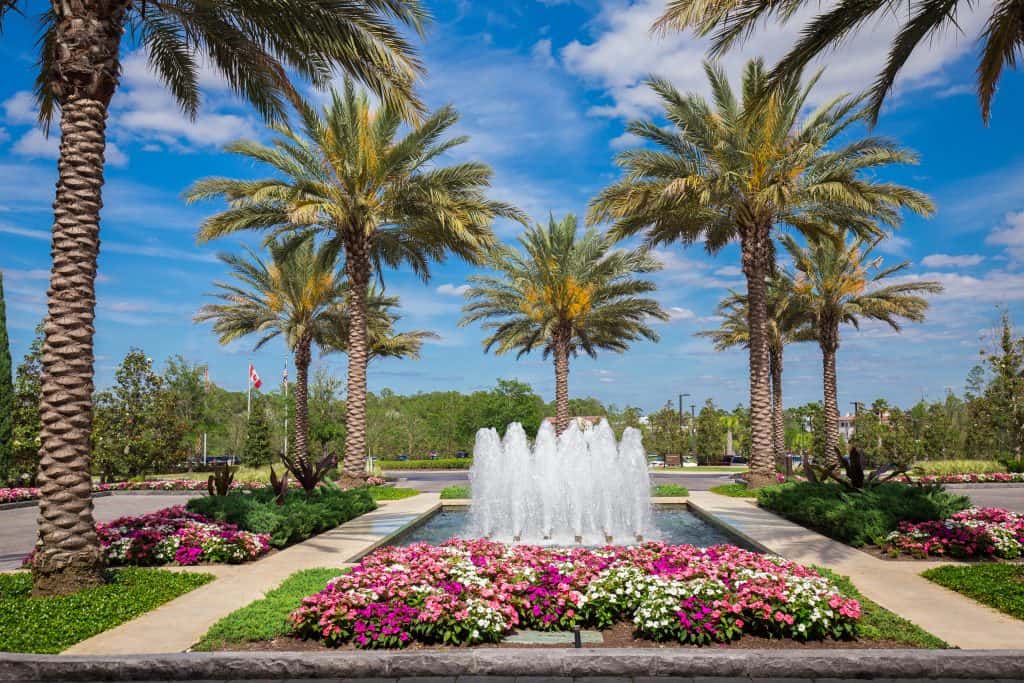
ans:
(301, 295)
(255, 45)
(732, 21)
(735, 170)
(381, 197)
(837, 282)
(564, 294)
(786, 324)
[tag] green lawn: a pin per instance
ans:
(50, 625)
(1000, 586)
(461, 492)
(267, 618)
(391, 493)
(878, 623)
(733, 491)
(703, 469)
(455, 492)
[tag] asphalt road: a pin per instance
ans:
(1008, 497)
(18, 526)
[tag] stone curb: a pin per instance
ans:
(617, 664)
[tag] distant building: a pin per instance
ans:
(846, 426)
(582, 420)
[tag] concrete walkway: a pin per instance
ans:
(895, 585)
(179, 624)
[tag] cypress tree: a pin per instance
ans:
(6, 391)
(257, 437)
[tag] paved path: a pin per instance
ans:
(177, 625)
(1006, 496)
(18, 525)
(896, 585)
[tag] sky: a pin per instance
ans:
(545, 89)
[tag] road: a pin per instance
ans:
(18, 526)
(435, 480)
(1003, 496)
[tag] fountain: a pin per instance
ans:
(580, 487)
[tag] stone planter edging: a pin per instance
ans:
(611, 665)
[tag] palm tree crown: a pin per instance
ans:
(564, 294)
(378, 192)
(738, 168)
(732, 21)
(838, 282)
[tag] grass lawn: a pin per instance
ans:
(455, 492)
(658, 491)
(878, 623)
(50, 625)
(391, 493)
(703, 469)
(733, 491)
(267, 618)
(1000, 586)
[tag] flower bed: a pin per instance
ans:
(175, 536)
(17, 495)
(981, 478)
(469, 592)
(977, 532)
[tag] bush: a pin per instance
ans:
(302, 515)
(455, 492)
(53, 624)
(1014, 466)
(859, 517)
(439, 464)
(947, 467)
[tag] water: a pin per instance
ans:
(675, 525)
(579, 487)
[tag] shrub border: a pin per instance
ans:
(620, 664)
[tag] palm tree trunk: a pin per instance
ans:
(68, 556)
(778, 417)
(302, 359)
(357, 269)
(561, 382)
(757, 253)
(829, 343)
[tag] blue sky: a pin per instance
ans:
(544, 88)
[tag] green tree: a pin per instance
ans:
(732, 21)
(739, 168)
(710, 434)
(326, 412)
(564, 294)
(257, 46)
(24, 462)
(137, 430)
(381, 195)
(6, 393)
(997, 394)
(186, 388)
(839, 283)
(664, 433)
(256, 451)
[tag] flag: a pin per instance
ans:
(254, 379)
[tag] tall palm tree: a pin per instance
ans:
(736, 169)
(732, 21)
(786, 324)
(838, 282)
(255, 45)
(564, 293)
(301, 295)
(379, 193)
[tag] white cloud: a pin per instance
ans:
(1010, 235)
(951, 261)
(625, 52)
(152, 249)
(681, 269)
(34, 144)
(729, 271)
(624, 141)
(21, 108)
(677, 313)
(541, 53)
(453, 290)
(894, 245)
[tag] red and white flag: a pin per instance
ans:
(254, 379)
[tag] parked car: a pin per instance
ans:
(403, 457)
(462, 454)
(219, 460)
(690, 461)
(655, 460)
(737, 460)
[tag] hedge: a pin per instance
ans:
(439, 464)
(302, 515)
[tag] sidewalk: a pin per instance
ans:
(895, 585)
(177, 625)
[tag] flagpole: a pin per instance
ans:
(248, 395)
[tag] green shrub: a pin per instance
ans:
(439, 464)
(302, 515)
(1000, 586)
(267, 618)
(391, 493)
(941, 468)
(1014, 466)
(455, 492)
(862, 517)
(669, 491)
(53, 624)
